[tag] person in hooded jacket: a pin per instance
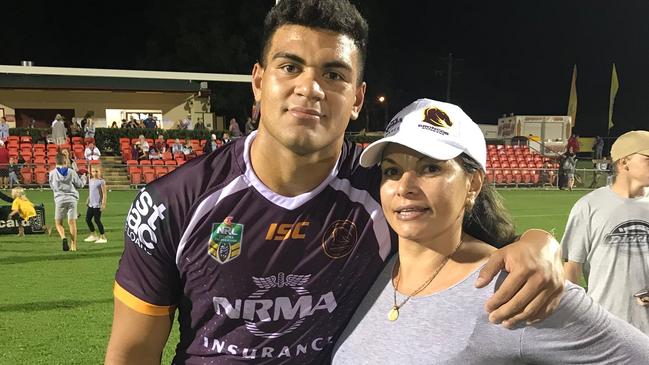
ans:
(64, 182)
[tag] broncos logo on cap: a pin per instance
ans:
(437, 117)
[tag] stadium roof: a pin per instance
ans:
(34, 77)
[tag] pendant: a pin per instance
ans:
(393, 314)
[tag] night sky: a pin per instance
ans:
(514, 56)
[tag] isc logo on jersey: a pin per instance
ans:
(279, 305)
(141, 222)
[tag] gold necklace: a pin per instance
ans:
(393, 314)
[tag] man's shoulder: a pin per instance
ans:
(200, 174)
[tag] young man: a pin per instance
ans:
(267, 245)
(607, 231)
(64, 182)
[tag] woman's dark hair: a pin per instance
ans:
(338, 16)
(488, 220)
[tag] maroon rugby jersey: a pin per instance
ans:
(257, 277)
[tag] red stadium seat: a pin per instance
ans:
(149, 177)
(27, 175)
(40, 173)
(160, 171)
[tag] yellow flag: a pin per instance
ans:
(615, 84)
(572, 102)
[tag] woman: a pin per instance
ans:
(144, 145)
(424, 307)
(89, 129)
(58, 130)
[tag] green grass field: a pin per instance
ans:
(56, 307)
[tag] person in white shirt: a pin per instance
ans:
(91, 152)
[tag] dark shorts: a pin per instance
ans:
(4, 172)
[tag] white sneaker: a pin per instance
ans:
(101, 240)
(91, 238)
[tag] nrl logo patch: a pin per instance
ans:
(225, 240)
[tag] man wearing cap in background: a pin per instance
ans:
(607, 234)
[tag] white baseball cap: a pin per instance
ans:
(434, 128)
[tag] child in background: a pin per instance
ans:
(64, 182)
(96, 204)
(25, 210)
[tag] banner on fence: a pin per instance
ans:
(10, 225)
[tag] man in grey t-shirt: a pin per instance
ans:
(607, 234)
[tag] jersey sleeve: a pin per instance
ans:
(576, 241)
(580, 331)
(147, 278)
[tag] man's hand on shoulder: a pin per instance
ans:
(535, 283)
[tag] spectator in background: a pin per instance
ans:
(187, 150)
(4, 129)
(211, 144)
(144, 145)
(199, 126)
(137, 153)
(567, 168)
(14, 172)
(75, 130)
(606, 234)
(177, 147)
(226, 137)
(114, 125)
(91, 152)
(154, 154)
(149, 122)
(250, 126)
(546, 175)
(124, 124)
(573, 144)
(598, 148)
(132, 123)
(4, 165)
(89, 129)
(160, 144)
(59, 132)
(234, 129)
(186, 123)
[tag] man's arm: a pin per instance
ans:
(533, 288)
(137, 338)
(573, 271)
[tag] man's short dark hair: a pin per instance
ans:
(338, 16)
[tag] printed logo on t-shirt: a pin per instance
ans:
(225, 240)
(142, 220)
(630, 236)
(279, 306)
(339, 239)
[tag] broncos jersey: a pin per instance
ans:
(256, 277)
